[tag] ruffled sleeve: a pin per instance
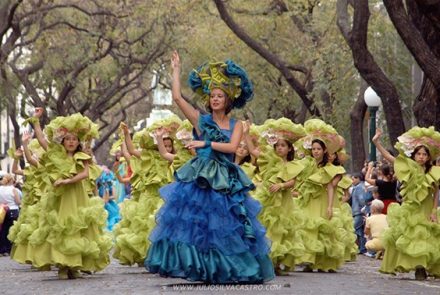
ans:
(345, 182)
(326, 174)
(287, 172)
(268, 162)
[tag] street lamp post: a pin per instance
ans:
(373, 102)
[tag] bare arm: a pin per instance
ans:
(128, 142)
(331, 187)
(125, 152)
(187, 109)
(247, 138)
(37, 128)
(78, 177)
(382, 150)
(369, 173)
(283, 185)
(15, 168)
(25, 138)
(161, 146)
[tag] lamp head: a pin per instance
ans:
(371, 98)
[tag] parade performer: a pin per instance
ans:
(412, 240)
(70, 233)
(278, 170)
(207, 229)
(316, 188)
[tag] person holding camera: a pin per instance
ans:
(386, 183)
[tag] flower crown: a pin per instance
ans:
(228, 76)
(419, 136)
(282, 128)
(75, 124)
(318, 129)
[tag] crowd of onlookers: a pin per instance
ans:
(373, 190)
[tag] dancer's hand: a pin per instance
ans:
(195, 144)
(26, 137)
(175, 61)
(294, 193)
(246, 127)
(123, 127)
(329, 213)
(59, 182)
(38, 112)
(159, 132)
(275, 187)
(434, 217)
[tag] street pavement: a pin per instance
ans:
(359, 277)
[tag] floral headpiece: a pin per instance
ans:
(419, 136)
(282, 128)
(184, 133)
(228, 76)
(75, 124)
(318, 129)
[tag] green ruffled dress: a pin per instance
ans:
(27, 222)
(150, 172)
(70, 231)
(279, 215)
(351, 248)
(323, 239)
(412, 240)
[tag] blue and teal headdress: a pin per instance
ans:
(228, 76)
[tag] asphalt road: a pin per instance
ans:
(360, 277)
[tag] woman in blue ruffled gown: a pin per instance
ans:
(207, 229)
(106, 191)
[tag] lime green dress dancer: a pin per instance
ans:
(150, 172)
(412, 240)
(70, 233)
(323, 232)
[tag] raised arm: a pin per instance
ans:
(15, 168)
(25, 139)
(187, 109)
(37, 128)
(161, 146)
(382, 150)
(125, 152)
(368, 175)
(128, 142)
(247, 138)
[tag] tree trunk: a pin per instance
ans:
(357, 115)
(356, 37)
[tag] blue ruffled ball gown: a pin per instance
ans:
(207, 229)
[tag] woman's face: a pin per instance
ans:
(242, 150)
(317, 151)
(71, 143)
(421, 156)
(168, 145)
(282, 148)
(217, 99)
